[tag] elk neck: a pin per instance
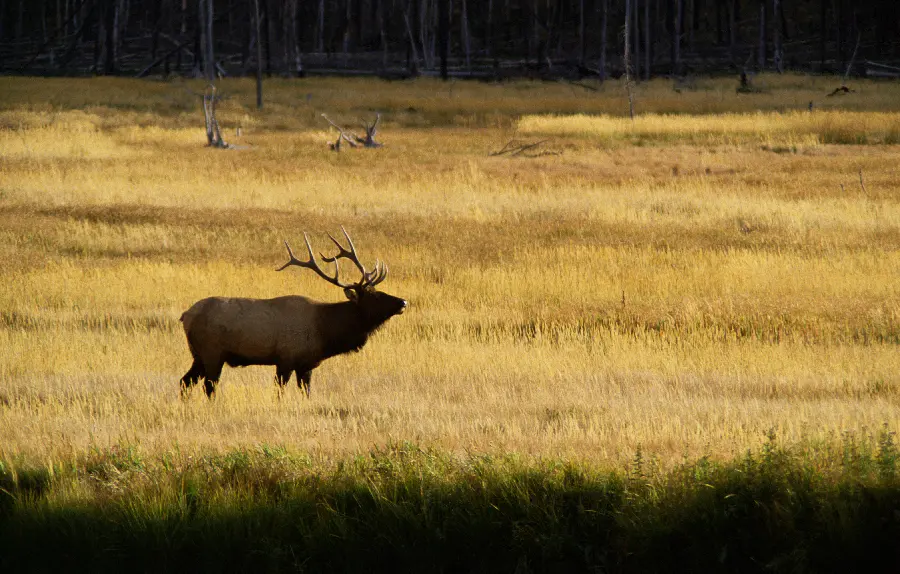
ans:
(343, 328)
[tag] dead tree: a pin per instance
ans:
(342, 135)
(352, 139)
(213, 134)
(629, 82)
(369, 140)
(844, 89)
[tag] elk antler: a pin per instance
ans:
(311, 264)
(368, 279)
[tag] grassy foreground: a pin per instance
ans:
(406, 509)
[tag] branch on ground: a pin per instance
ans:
(516, 148)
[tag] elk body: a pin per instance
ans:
(293, 333)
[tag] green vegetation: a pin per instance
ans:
(403, 508)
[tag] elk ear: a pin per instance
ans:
(351, 294)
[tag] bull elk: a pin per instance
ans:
(292, 333)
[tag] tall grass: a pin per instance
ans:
(682, 296)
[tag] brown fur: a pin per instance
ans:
(292, 333)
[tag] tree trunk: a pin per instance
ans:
(413, 60)
(157, 22)
(466, 40)
(356, 19)
(823, 28)
(720, 36)
(647, 59)
(348, 16)
(676, 63)
(732, 30)
(259, 90)
(636, 37)
(269, 25)
(627, 56)
(109, 25)
(290, 52)
(206, 39)
(761, 59)
(535, 34)
(20, 19)
(443, 35)
(604, 21)
(581, 45)
(690, 9)
(776, 39)
(382, 34)
(320, 27)
(489, 31)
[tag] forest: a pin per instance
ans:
(486, 39)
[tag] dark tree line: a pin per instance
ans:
(480, 38)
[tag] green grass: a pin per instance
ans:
(402, 508)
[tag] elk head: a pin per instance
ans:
(375, 307)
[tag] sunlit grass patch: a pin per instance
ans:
(798, 129)
(43, 136)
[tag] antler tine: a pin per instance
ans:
(379, 274)
(311, 264)
(351, 254)
(293, 260)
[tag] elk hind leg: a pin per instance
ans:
(191, 377)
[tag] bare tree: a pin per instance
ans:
(636, 37)
(762, 35)
(732, 30)
(464, 31)
(443, 34)
(581, 44)
(414, 52)
(109, 41)
(293, 66)
(627, 58)
(213, 133)
(603, 28)
(259, 92)
(320, 27)
(676, 64)
(776, 32)
(205, 16)
(647, 39)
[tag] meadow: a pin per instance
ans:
(684, 286)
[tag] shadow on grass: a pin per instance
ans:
(405, 509)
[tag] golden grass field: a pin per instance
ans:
(679, 284)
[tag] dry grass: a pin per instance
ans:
(684, 296)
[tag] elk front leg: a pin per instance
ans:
(282, 376)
